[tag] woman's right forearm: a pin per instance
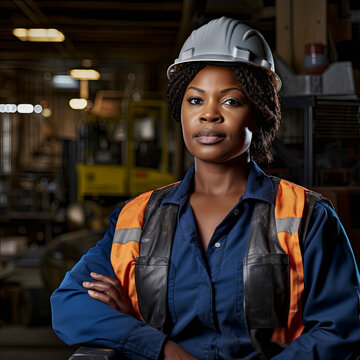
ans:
(173, 351)
(80, 319)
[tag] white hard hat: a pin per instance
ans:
(227, 40)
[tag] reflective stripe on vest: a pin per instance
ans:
(125, 247)
(289, 208)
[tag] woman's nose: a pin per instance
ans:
(211, 114)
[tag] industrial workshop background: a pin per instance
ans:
(84, 125)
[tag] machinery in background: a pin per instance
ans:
(115, 157)
(50, 219)
(122, 153)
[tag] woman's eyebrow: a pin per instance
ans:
(222, 91)
(197, 89)
(229, 89)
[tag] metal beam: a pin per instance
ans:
(23, 6)
(115, 5)
(65, 20)
(33, 12)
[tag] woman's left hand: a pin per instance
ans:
(108, 291)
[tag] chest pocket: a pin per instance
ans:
(267, 285)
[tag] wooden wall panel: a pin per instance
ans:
(284, 42)
(299, 22)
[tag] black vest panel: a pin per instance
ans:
(152, 265)
(266, 269)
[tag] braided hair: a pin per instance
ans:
(256, 85)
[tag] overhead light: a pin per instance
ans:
(25, 108)
(46, 112)
(42, 35)
(38, 109)
(20, 108)
(85, 74)
(64, 82)
(7, 108)
(78, 104)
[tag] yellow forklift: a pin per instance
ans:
(123, 148)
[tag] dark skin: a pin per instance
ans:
(208, 217)
(217, 123)
(110, 292)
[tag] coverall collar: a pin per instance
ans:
(259, 187)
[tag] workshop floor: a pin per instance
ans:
(36, 341)
(32, 343)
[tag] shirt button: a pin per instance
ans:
(236, 212)
(217, 244)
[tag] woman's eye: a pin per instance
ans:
(195, 101)
(232, 102)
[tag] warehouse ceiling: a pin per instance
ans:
(114, 31)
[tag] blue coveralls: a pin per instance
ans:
(205, 291)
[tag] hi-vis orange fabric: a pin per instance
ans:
(289, 208)
(124, 253)
(290, 201)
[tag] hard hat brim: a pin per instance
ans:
(223, 61)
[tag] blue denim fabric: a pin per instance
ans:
(205, 289)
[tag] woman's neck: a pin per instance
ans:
(221, 179)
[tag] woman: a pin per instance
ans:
(229, 263)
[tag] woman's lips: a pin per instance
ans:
(209, 137)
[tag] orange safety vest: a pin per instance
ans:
(272, 267)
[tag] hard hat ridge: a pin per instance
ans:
(227, 40)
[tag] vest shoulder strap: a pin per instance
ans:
(310, 200)
(311, 197)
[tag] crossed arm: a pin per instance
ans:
(102, 317)
(332, 296)
(79, 318)
(109, 291)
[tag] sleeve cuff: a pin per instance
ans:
(143, 342)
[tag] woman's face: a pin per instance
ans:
(216, 117)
